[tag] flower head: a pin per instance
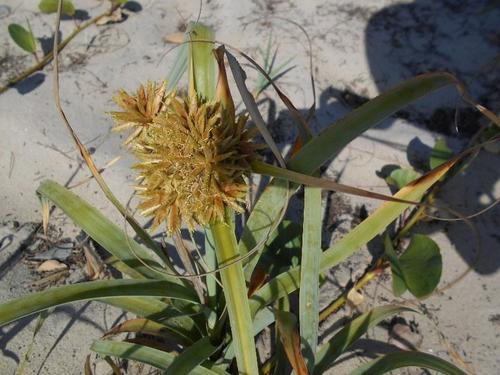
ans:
(192, 160)
(140, 109)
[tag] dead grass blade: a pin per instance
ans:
(289, 336)
(87, 368)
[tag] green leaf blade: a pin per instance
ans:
(103, 231)
(265, 215)
(36, 302)
(180, 325)
(191, 357)
(352, 331)
(394, 361)
(141, 353)
(178, 68)
(201, 60)
(22, 37)
(333, 139)
(376, 223)
(309, 272)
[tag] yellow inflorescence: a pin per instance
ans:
(192, 156)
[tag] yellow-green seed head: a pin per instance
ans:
(192, 162)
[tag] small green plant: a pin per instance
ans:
(26, 40)
(194, 155)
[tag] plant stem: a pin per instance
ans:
(49, 56)
(235, 291)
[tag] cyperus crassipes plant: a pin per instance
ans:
(193, 155)
(168, 132)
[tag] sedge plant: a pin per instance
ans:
(194, 156)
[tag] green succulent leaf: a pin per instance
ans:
(22, 37)
(51, 6)
(394, 361)
(421, 265)
(418, 269)
(402, 176)
(440, 154)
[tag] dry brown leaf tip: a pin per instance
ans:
(193, 156)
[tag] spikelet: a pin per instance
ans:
(140, 109)
(192, 160)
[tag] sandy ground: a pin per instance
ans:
(359, 49)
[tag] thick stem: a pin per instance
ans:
(235, 291)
